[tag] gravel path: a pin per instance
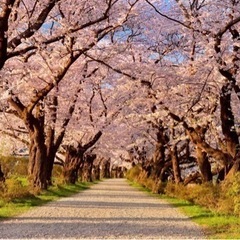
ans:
(109, 210)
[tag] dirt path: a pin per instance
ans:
(109, 210)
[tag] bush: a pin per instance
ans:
(177, 190)
(133, 173)
(14, 188)
(206, 195)
(230, 198)
(223, 198)
(12, 165)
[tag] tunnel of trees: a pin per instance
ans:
(153, 84)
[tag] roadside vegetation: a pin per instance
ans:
(216, 207)
(17, 195)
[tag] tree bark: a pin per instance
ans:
(159, 153)
(73, 162)
(87, 167)
(5, 13)
(2, 178)
(204, 165)
(74, 159)
(228, 121)
(37, 160)
(106, 171)
(175, 166)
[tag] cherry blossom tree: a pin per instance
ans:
(202, 50)
(40, 43)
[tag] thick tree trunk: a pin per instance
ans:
(175, 166)
(74, 159)
(159, 153)
(228, 121)
(217, 154)
(49, 167)
(37, 160)
(96, 172)
(87, 167)
(158, 160)
(51, 153)
(165, 171)
(73, 162)
(204, 165)
(5, 12)
(106, 171)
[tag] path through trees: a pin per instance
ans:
(109, 210)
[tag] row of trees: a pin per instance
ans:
(159, 79)
(194, 94)
(46, 53)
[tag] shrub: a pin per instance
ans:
(12, 165)
(223, 198)
(177, 190)
(206, 195)
(57, 171)
(133, 173)
(14, 188)
(230, 197)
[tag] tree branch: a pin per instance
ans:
(33, 27)
(12, 135)
(165, 16)
(92, 142)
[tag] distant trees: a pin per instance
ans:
(76, 160)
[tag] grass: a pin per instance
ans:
(216, 226)
(20, 205)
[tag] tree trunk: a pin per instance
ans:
(51, 153)
(49, 167)
(37, 160)
(159, 153)
(175, 166)
(228, 121)
(158, 160)
(5, 12)
(106, 172)
(96, 172)
(74, 159)
(222, 157)
(235, 167)
(204, 165)
(73, 162)
(2, 178)
(87, 167)
(165, 171)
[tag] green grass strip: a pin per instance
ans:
(216, 226)
(20, 205)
